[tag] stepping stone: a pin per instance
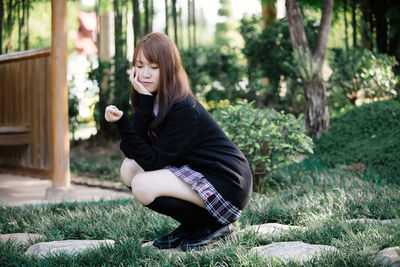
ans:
(389, 257)
(373, 221)
(270, 229)
(297, 251)
(24, 238)
(70, 247)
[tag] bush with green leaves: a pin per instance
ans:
(361, 73)
(367, 134)
(269, 139)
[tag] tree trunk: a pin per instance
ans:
(26, 40)
(268, 13)
(10, 23)
(180, 27)
(118, 31)
(151, 16)
(146, 16)
(19, 25)
(317, 113)
(189, 23)
(174, 16)
(194, 24)
(23, 21)
(136, 22)
(1, 25)
(354, 22)
(381, 25)
(366, 27)
(166, 17)
(346, 35)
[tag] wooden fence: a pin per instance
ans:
(25, 112)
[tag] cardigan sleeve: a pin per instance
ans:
(143, 114)
(180, 128)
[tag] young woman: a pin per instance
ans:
(178, 160)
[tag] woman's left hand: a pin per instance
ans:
(139, 87)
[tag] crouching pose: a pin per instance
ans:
(178, 160)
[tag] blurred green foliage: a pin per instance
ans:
(111, 92)
(269, 55)
(269, 139)
(215, 72)
(362, 74)
(368, 134)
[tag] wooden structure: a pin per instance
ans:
(34, 135)
(25, 112)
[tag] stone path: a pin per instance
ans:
(270, 229)
(389, 257)
(297, 250)
(71, 247)
(24, 238)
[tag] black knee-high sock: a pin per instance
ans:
(183, 211)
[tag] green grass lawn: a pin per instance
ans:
(319, 199)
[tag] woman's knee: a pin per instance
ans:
(142, 189)
(129, 169)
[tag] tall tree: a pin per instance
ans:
(268, 12)
(26, 40)
(10, 23)
(354, 22)
(175, 21)
(1, 25)
(194, 23)
(118, 30)
(222, 28)
(310, 65)
(381, 24)
(346, 35)
(366, 25)
(146, 16)
(136, 21)
(19, 24)
(166, 17)
(189, 23)
(180, 23)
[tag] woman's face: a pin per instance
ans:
(148, 73)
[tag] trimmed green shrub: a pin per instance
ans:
(269, 139)
(369, 134)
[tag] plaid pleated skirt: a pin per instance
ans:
(221, 209)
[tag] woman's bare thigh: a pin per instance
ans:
(147, 186)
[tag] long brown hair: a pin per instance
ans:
(174, 86)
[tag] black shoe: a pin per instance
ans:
(206, 235)
(173, 239)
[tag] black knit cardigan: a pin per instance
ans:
(189, 136)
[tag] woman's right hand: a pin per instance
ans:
(112, 113)
(139, 87)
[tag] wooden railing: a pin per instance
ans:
(25, 112)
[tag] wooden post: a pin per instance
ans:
(59, 95)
